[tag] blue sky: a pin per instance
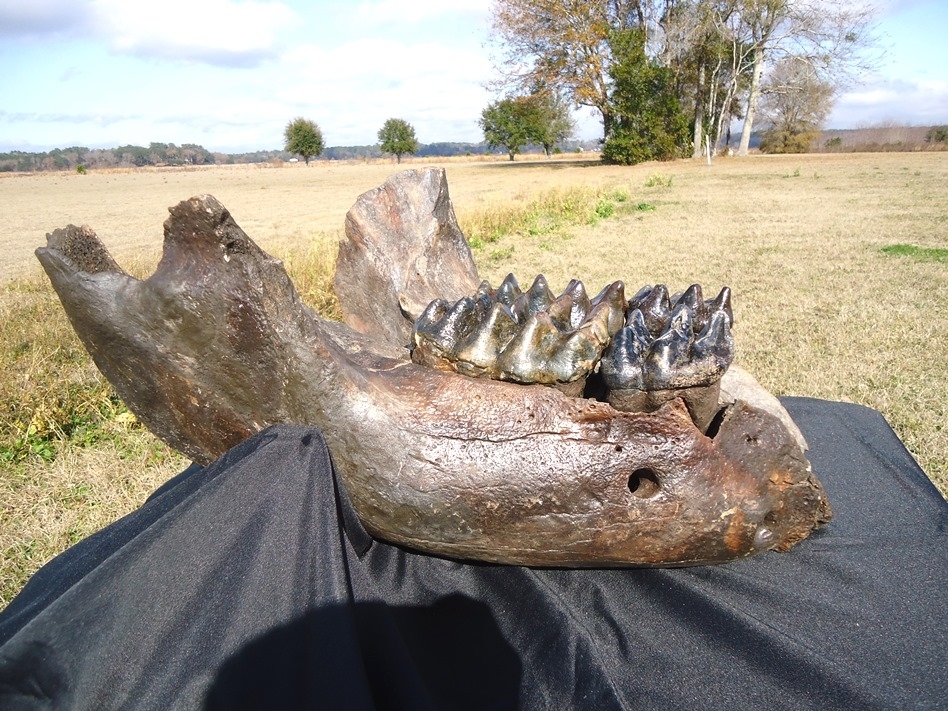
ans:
(230, 74)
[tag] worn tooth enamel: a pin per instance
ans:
(612, 298)
(596, 327)
(508, 291)
(580, 303)
(433, 313)
(483, 303)
(624, 357)
(539, 295)
(609, 315)
(579, 351)
(715, 344)
(541, 353)
(636, 323)
(656, 309)
(524, 358)
(520, 308)
(560, 310)
(479, 350)
(459, 322)
(722, 302)
(484, 289)
(636, 300)
(693, 299)
(671, 350)
(570, 308)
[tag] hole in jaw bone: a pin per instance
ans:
(643, 483)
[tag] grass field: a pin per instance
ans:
(838, 264)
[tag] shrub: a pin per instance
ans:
(787, 140)
(937, 134)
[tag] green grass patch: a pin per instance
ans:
(658, 180)
(926, 254)
(548, 213)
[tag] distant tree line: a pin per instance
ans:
(70, 159)
(885, 137)
(74, 157)
(123, 156)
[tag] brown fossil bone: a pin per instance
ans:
(216, 345)
(403, 250)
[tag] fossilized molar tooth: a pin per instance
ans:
(690, 346)
(660, 354)
(524, 337)
(657, 306)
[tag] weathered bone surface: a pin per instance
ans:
(403, 250)
(216, 345)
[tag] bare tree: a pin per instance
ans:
(795, 101)
(832, 36)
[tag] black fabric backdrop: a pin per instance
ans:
(250, 584)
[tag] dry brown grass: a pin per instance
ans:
(821, 310)
(280, 208)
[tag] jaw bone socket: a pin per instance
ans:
(671, 347)
(521, 336)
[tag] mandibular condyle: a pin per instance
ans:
(496, 424)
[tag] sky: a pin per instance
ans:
(230, 74)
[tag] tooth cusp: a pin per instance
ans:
(525, 337)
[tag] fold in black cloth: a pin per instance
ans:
(251, 584)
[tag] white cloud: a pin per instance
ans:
(906, 101)
(220, 32)
(35, 18)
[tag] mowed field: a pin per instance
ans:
(281, 208)
(821, 310)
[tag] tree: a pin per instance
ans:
(562, 46)
(717, 50)
(398, 138)
(649, 123)
(303, 138)
(551, 121)
(795, 102)
(709, 60)
(831, 35)
(541, 119)
(509, 123)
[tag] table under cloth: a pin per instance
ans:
(250, 583)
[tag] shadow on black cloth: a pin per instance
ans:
(250, 583)
(404, 657)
